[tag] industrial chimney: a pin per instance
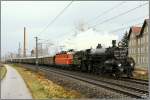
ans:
(24, 48)
(19, 50)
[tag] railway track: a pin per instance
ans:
(139, 81)
(132, 89)
(127, 90)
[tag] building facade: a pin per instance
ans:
(138, 45)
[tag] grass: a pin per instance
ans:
(42, 88)
(3, 72)
(141, 74)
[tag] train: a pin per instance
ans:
(113, 60)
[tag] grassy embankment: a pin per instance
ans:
(141, 74)
(42, 88)
(3, 71)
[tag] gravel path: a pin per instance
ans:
(13, 86)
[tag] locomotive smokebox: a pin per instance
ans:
(114, 43)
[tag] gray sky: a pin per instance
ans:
(35, 15)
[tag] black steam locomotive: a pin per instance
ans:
(112, 60)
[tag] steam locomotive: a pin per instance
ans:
(112, 60)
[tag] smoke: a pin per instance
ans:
(89, 38)
(80, 26)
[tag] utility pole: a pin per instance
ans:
(36, 52)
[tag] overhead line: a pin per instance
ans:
(129, 25)
(143, 17)
(56, 17)
(107, 11)
(119, 15)
(124, 27)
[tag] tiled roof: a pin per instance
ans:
(146, 21)
(136, 29)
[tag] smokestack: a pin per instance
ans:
(114, 43)
(24, 49)
(19, 50)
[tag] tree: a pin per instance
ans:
(125, 40)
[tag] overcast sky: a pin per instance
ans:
(35, 15)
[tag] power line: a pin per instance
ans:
(107, 11)
(141, 17)
(116, 6)
(124, 27)
(56, 17)
(118, 29)
(119, 15)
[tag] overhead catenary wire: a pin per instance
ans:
(114, 7)
(51, 22)
(122, 28)
(125, 27)
(123, 14)
(114, 17)
(141, 17)
(107, 11)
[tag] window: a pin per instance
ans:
(145, 38)
(141, 60)
(132, 35)
(138, 41)
(143, 50)
(147, 29)
(138, 50)
(138, 60)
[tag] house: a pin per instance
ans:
(138, 44)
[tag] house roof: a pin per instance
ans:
(135, 30)
(146, 21)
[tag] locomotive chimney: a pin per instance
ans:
(114, 43)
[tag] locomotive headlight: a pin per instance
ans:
(131, 64)
(119, 65)
(120, 68)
